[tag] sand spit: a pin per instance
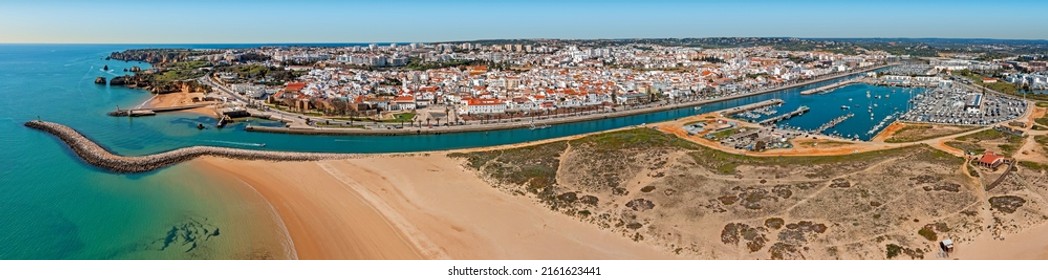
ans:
(98, 156)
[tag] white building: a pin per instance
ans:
(483, 106)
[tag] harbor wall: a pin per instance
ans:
(96, 155)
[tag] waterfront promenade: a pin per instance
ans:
(475, 126)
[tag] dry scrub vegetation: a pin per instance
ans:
(698, 202)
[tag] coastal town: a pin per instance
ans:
(422, 86)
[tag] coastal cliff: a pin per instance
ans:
(174, 70)
(155, 56)
(96, 155)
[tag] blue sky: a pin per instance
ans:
(197, 21)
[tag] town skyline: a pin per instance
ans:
(417, 21)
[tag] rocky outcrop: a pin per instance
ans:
(178, 86)
(100, 80)
(98, 156)
(118, 81)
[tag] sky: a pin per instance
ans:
(315, 21)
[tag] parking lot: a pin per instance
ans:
(952, 104)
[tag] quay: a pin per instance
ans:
(149, 111)
(751, 107)
(830, 87)
(832, 123)
(96, 155)
(786, 116)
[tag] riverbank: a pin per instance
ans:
(522, 123)
(368, 209)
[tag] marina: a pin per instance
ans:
(832, 123)
(798, 112)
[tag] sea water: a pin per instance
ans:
(52, 206)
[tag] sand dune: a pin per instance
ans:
(1031, 244)
(416, 207)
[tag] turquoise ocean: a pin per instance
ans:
(53, 206)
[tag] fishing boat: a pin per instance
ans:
(541, 126)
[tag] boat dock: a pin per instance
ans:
(830, 87)
(832, 123)
(786, 116)
(751, 107)
(149, 111)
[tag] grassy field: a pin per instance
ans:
(634, 138)
(989, 134)
(182, 71)
(914, 132)
(978, 142)
(1042, 120)
(534, 167)
(401, 118)
(1034, 165)
(723, 134)
(726, 163)
(966, 146)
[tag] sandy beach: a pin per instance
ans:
(415, 207)
(179, 99)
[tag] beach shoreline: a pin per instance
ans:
(364, 209)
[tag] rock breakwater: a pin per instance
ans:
(98, 156)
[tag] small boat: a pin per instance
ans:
(534, 127)
(845, 107)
